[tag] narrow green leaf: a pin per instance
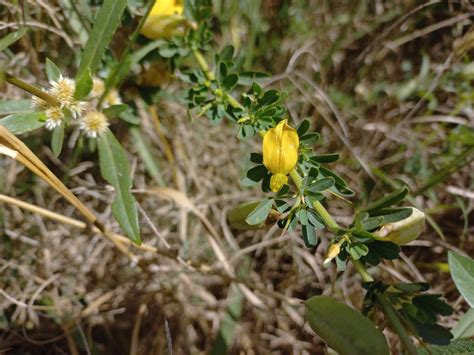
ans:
(57, 139)
(15, 107)
(25, 122)
(115, 110)
(149, 159)
(344, 329)
(105, 25)
(388, 200)
(462, 272)
(115, 169)
(321, 184)
(309, 236)
(11, 38)
(84, 85)
(52, 71)
(325, 158)
(303, 128)
(260, 213)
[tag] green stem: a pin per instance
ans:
(360, 268)
(396, 323)
(32, 90)
(203, 64)
(318, 207)
(112, 80)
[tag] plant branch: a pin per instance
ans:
(360, 268)
(33, 90)
(396, 323)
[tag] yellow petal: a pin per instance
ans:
(280, 148)
(164, 19)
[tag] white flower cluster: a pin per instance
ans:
(92, 122)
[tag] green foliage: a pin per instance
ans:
(344, 329)
(462, 272)
(11, 38)
(417, 309)
(57, 139)
(23, 122)
(105, 25)
(114, 168)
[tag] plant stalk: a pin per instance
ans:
(360, 268)
(396, 323)
(33, 90)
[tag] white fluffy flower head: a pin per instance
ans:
(54, 116)
(94, 124)
(63, 90)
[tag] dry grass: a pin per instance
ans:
(68, 290)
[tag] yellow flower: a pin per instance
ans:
(404, 231)
(280, 153)
(164, 19)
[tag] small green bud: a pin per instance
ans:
(404, 231)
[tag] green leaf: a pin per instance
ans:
(52, 71)
(433, 333)
(15, 107)
(11, 38)
(388, 200)
(309, 236)
(325, 158)
(230, 81)
(25, 122)
(149, 159)
(115, 169)
(462, 272)
(115, 110)
(84, 85)
(105, 25)
(465, 326)
(260, 213)
(57, 139)
(321, 184)
(391, 215)
(254, 175)
(303, 128)
(457, 347)
(344, 329)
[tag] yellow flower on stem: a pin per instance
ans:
(164, 19)
(280, 153)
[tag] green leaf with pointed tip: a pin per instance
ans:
(23, 123)
(462, 273)
(388, 200)
(115, 110)
(115, 169)
(344, 329)
(260, 213)
(52, 71)
(57, 139)
(105, 25)
(84, 85)
(14, 107)
(11, 38)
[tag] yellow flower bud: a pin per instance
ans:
(280, 153)
(404, 231)
(164, 19)
(333, 251)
